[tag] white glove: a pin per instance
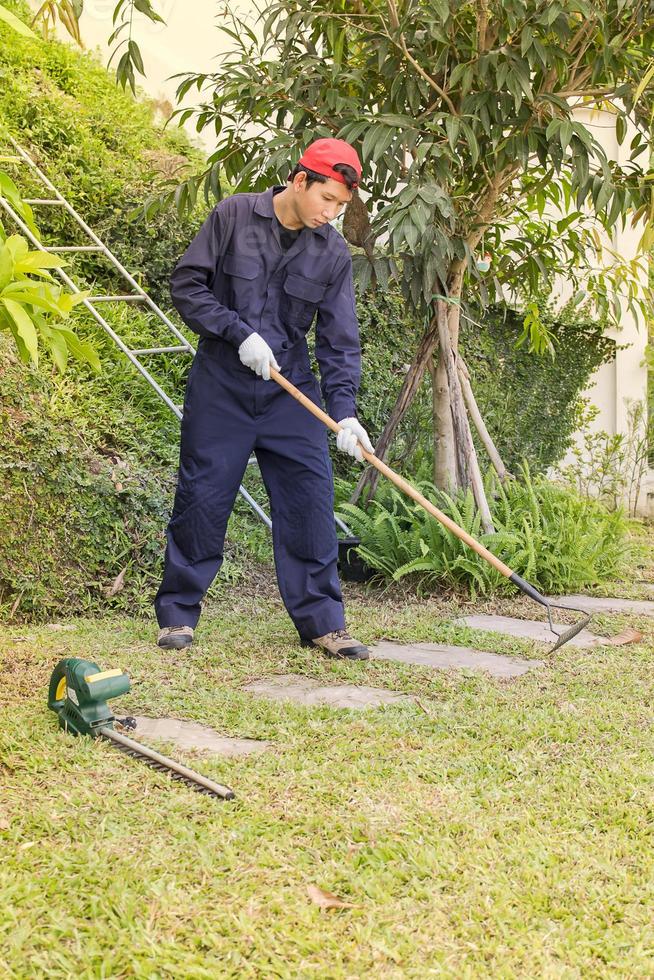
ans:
(352, 433)
(255, 353)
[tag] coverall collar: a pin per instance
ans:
(264, 207)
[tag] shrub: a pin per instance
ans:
(612, 467)
(389, 335)
(531, 402)
(544, 532)
(86, 483)
(89, 462)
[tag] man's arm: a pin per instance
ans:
(338, 350)
(192, 280)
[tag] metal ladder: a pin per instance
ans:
(139, 295)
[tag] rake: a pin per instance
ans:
(564, 636)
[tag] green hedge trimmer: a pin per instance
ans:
(78, 694)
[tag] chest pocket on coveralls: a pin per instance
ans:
(242, 270)
(299, 301)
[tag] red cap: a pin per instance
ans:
(322, 155)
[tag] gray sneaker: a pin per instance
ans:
(175, 637)
(341, 646)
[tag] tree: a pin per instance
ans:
(463, 115)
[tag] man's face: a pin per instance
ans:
(319, 203)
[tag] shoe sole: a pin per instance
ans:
(175, 644)
(362, 654)
(347, 656)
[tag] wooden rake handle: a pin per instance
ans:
(395, 478)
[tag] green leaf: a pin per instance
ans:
(24, 326)
(135, 54)
(552, 128)
(565, 133)
(620, 128)
(567, 221)
(368, 141)
(80, 349)
(18, 247)
(6, 266)
(31, 294)
(58, 349)
(17, 25)
(145, 7)
(383, 137)
(604, 196)
(395, 119)
(473, 145)
(35, 261)
(9, 190)
(452, 128)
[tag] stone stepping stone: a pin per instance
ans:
(191, 735)
(444, 657)
(527, 629)
(641, 607)
(310, 692)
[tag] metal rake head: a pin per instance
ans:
(565, 635)
(533, 593)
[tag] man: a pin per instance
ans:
(250, 284)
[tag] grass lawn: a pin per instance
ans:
(485, 829)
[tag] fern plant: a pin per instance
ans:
(544, 531)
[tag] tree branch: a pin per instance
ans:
(482, 26)
(466, 454)
(401, 44)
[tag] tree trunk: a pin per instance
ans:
(454, 394)
(444, 458)
(370, 477)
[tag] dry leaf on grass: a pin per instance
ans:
(629, 635)
(61, 627)
(326, 900)
(117, 584)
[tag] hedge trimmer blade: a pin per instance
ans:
(162, 763)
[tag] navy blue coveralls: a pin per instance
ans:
(236, 278)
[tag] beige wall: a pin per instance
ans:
(188, 41)
(618, 385)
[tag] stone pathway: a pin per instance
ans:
(307, 691)
(191, 735)
(641, 607)
(527, 629)
(444, 657)
(310, 692)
